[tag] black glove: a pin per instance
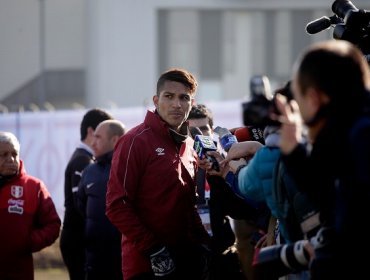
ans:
(162, 263)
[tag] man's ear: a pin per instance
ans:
(90, 131)
(115, 139)
(155, 101)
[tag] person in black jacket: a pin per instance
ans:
(331, 88)
(72, 235)
(103, 240)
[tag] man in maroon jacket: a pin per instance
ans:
(28, 219)
(151, 190)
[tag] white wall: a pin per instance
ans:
(116, 40)
(37, 35)
(65, 34)
(19, 43)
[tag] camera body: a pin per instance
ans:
(258, 110)
(350, 24)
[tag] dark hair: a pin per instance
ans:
(91, 119)
(200, 111)
(339, 69)
(178, 75)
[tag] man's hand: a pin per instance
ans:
(245, 149)
(237, 164)
(205, 164)
(162, 263)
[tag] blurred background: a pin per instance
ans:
(70, 54)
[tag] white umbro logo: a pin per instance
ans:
(160, 151)
(89, 185)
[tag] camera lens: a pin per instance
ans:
(294, 255)
(342, 7)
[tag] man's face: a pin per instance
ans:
(173, 103)
(202, 124)
(102, 142)
(9, 159)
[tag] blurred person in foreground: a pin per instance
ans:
(103, 240)
(152, 192)
(330, 87)
(72, 242)
(29, 221)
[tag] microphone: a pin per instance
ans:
(227, 139)
(249, 133)
(203, 144)
(321, 24)
(194, 131)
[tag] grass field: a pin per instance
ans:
(51, 274)
(49, 264)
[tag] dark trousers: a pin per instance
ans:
(73, 253)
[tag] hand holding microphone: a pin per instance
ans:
(243, 143)
(202, 145)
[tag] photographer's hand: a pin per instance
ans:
(291, 124)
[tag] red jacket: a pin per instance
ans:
(151, 193)
(29, 222)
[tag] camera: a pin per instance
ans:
(258, 110)
(350, 24)
(279, 260)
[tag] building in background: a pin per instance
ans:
(72, 53)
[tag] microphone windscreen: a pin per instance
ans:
(242, 134)
(249, 133)
(318, 25)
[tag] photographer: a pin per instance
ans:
(264, 179)
(330, 88)
(255, 178)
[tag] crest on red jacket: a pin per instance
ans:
(17, 191)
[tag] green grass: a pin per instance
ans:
(51, 274)
(49, 264)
